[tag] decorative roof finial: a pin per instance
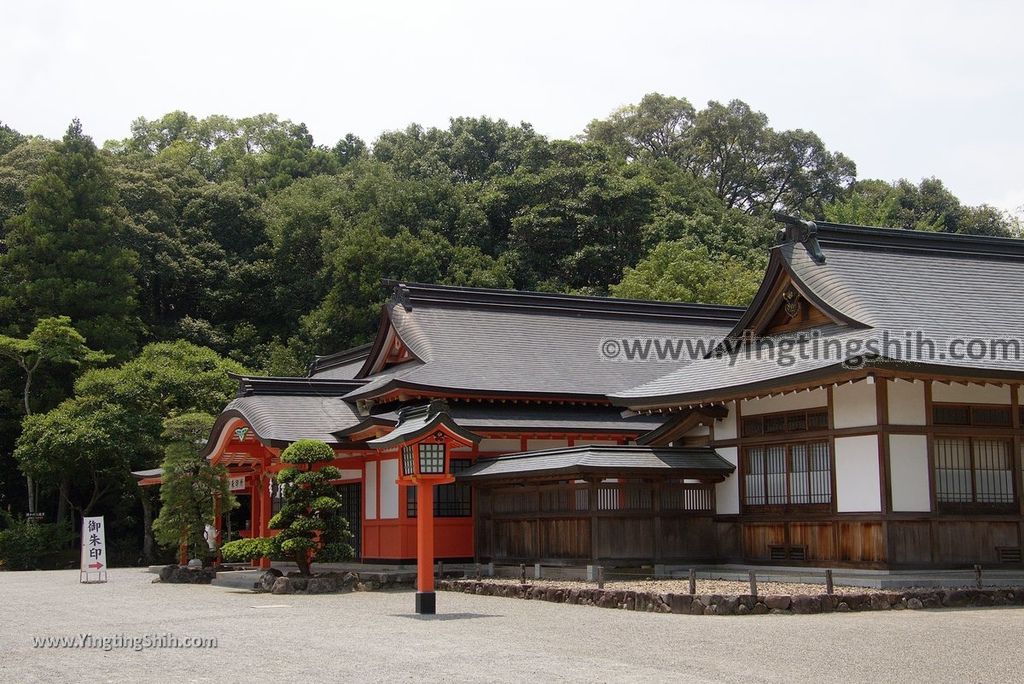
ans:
(804, 232)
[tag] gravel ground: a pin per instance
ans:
(374, 637)
(704, 586)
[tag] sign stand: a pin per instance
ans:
(94, 552)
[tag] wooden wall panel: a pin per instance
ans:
(969, 542)
(818, 538)
(515, 539)
(911, 542)
(757, 538)
(624, 538)
(728, 545)
(565, 539)
(861, 542)
(687, 538)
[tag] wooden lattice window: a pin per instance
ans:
(454, 500)
(787, 474)
(971, 471)
(785, 423)
(972, 415)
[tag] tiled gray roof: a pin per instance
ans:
(678, 461)
(280, 419)
(502, 342)
(889, 282)
(340, 366)
(903, 279)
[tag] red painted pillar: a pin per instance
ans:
(265, 508)
(425, 598)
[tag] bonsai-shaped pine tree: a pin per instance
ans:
(190, 486)
(311, 524)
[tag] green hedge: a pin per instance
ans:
(248, 549)
(33, 546)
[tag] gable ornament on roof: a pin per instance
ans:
(804, 232)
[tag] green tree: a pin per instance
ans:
(89, 444)
(84, 448)
(9, 138)
(191, 486)
(364, 257)
(658, 127)
(750, 165)
(66, 253)
(53, 342)
(929, 205)
(311, 523)
(19, 168)
(683, 271)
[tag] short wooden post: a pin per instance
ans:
(600, 577)
(440, 569)
(977, 575)
(829, 589)
(753, 584)
(693, 581)
(477, 572)
(522, 573)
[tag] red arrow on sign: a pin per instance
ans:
(96, 566)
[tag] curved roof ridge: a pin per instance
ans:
(344, 357)
(887, 238)
(410, 294)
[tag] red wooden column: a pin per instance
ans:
(265, 508)
(424, 541)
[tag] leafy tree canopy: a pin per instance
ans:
(66, 253)
(685, 271)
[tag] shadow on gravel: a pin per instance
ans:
(448, 616)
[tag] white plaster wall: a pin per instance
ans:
(854, 405)
(857, 482)
(538, 444)
(786, 402)
(595, 442)
(501, 446)
(389, 489)
(726, 427)
(908, 473)
(906, 403)
(350, 474)
(727, 493)
(370, 490)
(970, 394)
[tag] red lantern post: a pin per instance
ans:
(425, 464)
(426, 434)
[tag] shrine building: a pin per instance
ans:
(863, 411)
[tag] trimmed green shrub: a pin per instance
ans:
(311, 521)
(241, 550)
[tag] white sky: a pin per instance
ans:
(906, 89)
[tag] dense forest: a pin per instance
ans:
(135, 275)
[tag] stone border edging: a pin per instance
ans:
(718, 604)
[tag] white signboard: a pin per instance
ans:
(94, 550)
(236, 483)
